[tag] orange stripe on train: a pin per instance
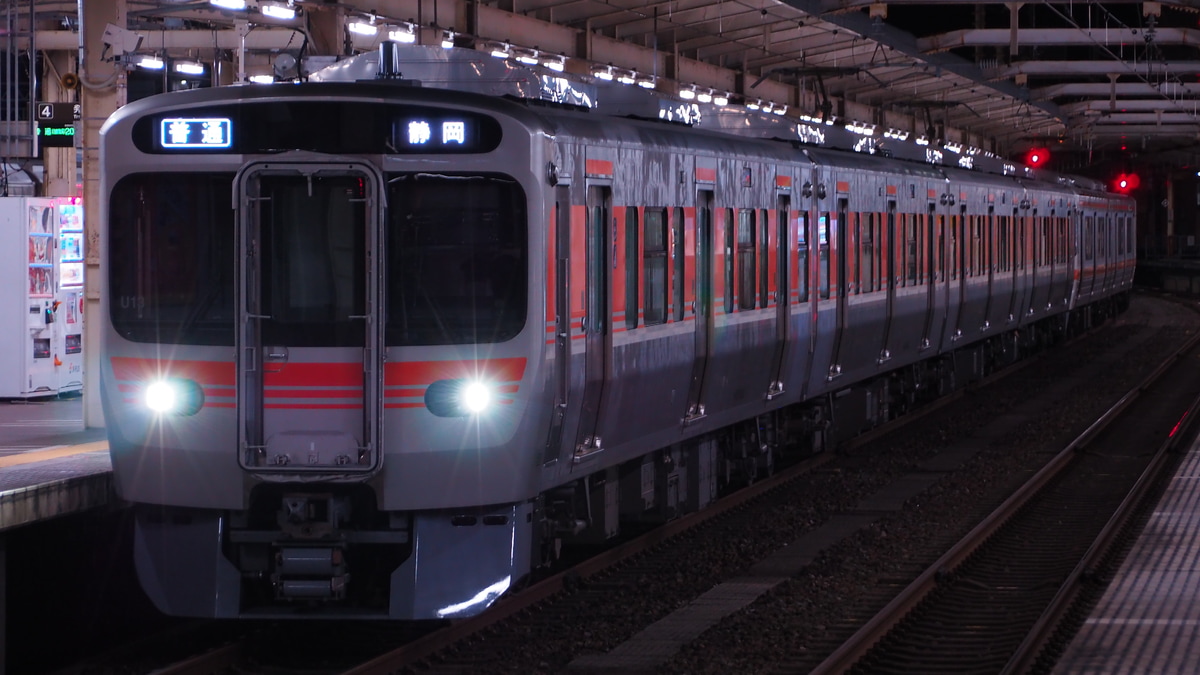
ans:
(413, 373)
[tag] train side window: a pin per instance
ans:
(730, 259)
(764, 258)
(654, 266)
(910, 251)
(1089, 226)
(955, 243)
(783, 283)
(803, 271)
(677, 257)
(866, 253)
(1022, 248)
(631, 267)
(746, 259)
(1002, 242)
(823, 255)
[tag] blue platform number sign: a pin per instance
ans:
(199, 132)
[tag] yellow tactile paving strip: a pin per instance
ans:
(52, 453)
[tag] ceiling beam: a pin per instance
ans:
(1058, 37)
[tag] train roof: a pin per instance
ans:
(570, 103)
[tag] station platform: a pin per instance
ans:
(1148, 620)
(50, 465)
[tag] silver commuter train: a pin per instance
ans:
(375, 349)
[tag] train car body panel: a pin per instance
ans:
(375, 350)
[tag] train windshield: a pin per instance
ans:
(171, 258)
(457, 259)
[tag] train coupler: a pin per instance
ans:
(310, 573)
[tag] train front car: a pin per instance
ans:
(319, 364)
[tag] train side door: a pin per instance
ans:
(562, 319)
(989, 262)
(703, 309)
(1016, 239)
(929, 236)
(310, 328)
(891, 278)
(782, 294)
(841, 294)
(596, 317)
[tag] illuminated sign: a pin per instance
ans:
(436, 135)
(56, 135)
(200, 132)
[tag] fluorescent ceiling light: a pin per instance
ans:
(151, 63)
(262, 79)
(189, 68)
(363, 28)
(275, 11)
(228, 4)
(404, 35)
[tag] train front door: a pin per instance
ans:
(309, 336)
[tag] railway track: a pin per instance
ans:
(995, 600)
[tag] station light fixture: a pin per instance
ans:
(447, 39)
(189, 67)
(285, 11)
(361, 27)
(151, 63)
(228, 4)
(404, 34)
(720, 98)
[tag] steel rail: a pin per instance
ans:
(854, 649)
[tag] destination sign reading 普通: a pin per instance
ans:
(197, 132)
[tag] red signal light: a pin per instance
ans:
(1037, 157)
(1127, 181)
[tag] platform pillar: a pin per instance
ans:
(103, 92)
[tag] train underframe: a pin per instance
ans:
(686, 477)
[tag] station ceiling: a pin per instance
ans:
(1087, 79)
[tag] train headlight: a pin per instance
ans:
(460, 398)
(173, 397)
(476, 397)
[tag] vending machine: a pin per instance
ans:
(41, 291)
(68, 324)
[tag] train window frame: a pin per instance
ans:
(747, 259)
(910, 250)
(654, 265)
(632, 263)
(865, 270)
(503, 256)
(764, 258)
(803, 257)
(824, 224)
(137, 316)
(679, 262)
(729, 244)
